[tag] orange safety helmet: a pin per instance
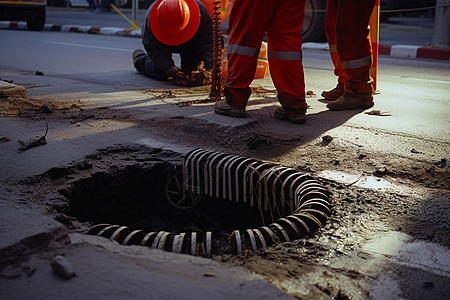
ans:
(174, 22)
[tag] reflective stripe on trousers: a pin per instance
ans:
(350, 37)
(358, 63)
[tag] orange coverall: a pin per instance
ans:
(347, 30)
(282, 21)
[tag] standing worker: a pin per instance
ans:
(347, 30)
(248, 21)
(177, 26)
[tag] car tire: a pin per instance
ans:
(37, 24)
(313, 29)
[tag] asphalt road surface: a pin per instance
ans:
(414, 91)
(395, 30)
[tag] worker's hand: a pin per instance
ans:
(182, 79)
(201, 78)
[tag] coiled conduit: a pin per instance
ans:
(300, 200)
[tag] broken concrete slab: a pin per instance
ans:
(107, 270)
(25, 231)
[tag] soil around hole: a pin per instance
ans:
(358, 215)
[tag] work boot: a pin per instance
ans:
(223, 108)
(335, 93)
(296, 117)
(136, 55)
(349, 101)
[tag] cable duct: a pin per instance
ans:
(299, 201)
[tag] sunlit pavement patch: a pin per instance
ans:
(406, 251)
(406, 268)
(364, 181)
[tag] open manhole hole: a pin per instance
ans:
(210, 204)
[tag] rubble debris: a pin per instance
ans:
(335, 162)
(4, 139)
(441, 164)
(310, 94)
(189, 103)
(326, 139)
(166, 94)
(260, 90)
(47, 108)
(430, 170)
(380, 171)
(376, 112)
(62, 267)
(34, 142)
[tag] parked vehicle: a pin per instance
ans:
(404, 4)
(393, 5)
(33, 12)
(81, 3)
(312, 29)
(76, 3)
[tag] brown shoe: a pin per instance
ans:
(222, 107)
(296, 117)
(349, 101)
(334, 93)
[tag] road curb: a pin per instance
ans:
(75, 28)
(412, 51)
(400, 51)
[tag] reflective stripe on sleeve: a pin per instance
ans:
(285, 55)
(243, 50)
(357, 63)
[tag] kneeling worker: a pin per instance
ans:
(177, 26)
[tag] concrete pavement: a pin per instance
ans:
(104, 269)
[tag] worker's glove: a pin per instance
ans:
(201, 77)
(179, 77)
(182, 79)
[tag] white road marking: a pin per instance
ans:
(89, 46)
